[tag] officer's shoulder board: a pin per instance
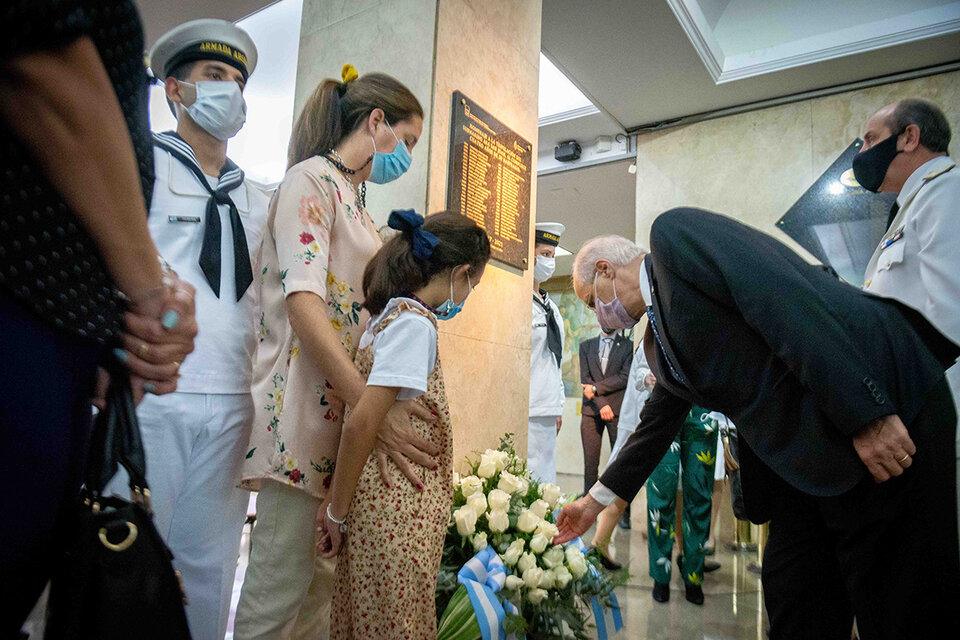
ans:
(936, 174)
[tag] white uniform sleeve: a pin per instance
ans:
(404, 355)
(602, 495)
(938, 227)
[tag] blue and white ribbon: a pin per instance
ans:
(608, 621)
(483, 575)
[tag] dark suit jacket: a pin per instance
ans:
(799, 360)
(610, 385)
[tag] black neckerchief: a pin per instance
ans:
(231, 177)
(554, 340)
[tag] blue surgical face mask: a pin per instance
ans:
(449, 309)
(219, 109)
(387, 167)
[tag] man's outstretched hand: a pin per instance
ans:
(576, 518)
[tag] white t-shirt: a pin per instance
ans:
(404, 353)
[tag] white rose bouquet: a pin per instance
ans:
(552, 588)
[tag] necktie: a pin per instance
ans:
(893, 213)
(656, 334)
(604, 354)
(231, 176)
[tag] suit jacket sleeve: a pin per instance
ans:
(585, 376)
(660, 422)
(616, 380)
(771, 288)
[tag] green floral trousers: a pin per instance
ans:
(695, 448)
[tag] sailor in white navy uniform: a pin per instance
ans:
(546, 352)
(918, 260)
(207, 221)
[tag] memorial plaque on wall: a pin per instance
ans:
(488, 179)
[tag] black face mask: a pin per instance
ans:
(870, 166)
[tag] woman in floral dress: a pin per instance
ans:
(319, 237)
(387, 571)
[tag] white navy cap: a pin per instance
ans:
(549, 233)
(205, 39)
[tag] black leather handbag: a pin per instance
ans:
(116, 579)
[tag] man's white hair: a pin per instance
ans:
(615, 249)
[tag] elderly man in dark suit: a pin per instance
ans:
(845, 421)
(604, 371)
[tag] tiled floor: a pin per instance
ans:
(733, 609)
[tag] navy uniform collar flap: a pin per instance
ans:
(183, 182)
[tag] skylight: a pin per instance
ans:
(558, 95)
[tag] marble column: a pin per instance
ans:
(489, 50)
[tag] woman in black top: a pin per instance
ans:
(76, 171)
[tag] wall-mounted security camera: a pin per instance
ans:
(567, 151)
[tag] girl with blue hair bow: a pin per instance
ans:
(390, 540)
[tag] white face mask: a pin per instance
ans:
(219, 109)
(543, 268)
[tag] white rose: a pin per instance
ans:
(538, 543)
(576, 563)
(502, 458)
(531, 577)
(548, 529)
(536, 596)
(509, 482)
(478, 502)
(553, 557)
(562, 576)
(512, 554)
(498, 521)
(513, 583)
(456, 479)
(524, 486)
(498, 500)
(547, 580)
(551, 493)
(540, 507)
(480, 541)
(488, 467)
(469, 485)
(466, 519)
(527, 521)
(526, 561)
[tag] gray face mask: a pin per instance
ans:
(219, 109)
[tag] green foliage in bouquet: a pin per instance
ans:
(498, 504)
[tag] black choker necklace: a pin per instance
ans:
(425, 305)
(334, 159)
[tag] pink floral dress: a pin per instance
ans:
(387, 570)
(318, 239)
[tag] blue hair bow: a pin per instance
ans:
(424, 242)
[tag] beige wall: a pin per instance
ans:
(489, 49)
(754, 166)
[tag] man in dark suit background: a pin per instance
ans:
(845, 421)
(604, 371)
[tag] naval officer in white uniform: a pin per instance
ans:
(546, 352)
(918, 260)
(207, 221)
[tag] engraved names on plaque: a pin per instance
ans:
(489, 179)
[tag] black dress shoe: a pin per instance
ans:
(661, 591)
(624, 521)
(609, 564)
(694, 594)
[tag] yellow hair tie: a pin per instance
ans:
(349, 73)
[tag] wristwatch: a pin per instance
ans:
(594, 387)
